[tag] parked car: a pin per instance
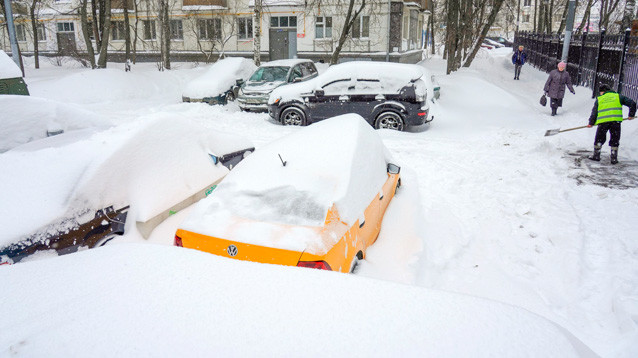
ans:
(503, 41)
(387, 95)
(11, 81)
(80, 188)
(431, 83)
(253, 96)
(493, 43)
(312, 199)
(220, 83)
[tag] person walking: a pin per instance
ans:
(555, 86)
(607, 115)
(518, 59)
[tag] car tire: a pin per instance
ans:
(230, 97)
(293, 116)
(389, 120)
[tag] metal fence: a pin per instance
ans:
(593, 59)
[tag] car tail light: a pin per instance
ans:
(178, 241)
(421, 114)
(321, 265)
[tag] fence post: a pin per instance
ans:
(580, 60)
(600, 46)
(625, 44)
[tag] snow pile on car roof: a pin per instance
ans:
(220, 77)
(357, 77)
(8, 68)
(150, 164)
(294, 181)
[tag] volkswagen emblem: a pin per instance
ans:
(232, 250)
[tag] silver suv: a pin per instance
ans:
(253, 96)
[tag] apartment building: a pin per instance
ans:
(201, 29)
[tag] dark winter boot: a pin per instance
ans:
(596, 155)
(554, 111)
(614, 155)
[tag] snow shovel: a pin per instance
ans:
(558, 130)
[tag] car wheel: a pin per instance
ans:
(293, 116)
(389, 120)
(230, 96)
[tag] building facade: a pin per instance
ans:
(201, 30)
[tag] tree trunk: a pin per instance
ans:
(452, 36)
(137, 21)
(85, 33)
(432, 7)
(490, 20)
(127, 32)
(97, 25)
(106, 29)
(34, 28)
(347, 26)
(166, 37)
(257, 36)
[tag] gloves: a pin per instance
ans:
(573, 92)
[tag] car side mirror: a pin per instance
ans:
(319, 93)
(239, 82)
(393, 168)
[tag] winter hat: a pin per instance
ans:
(562, 64)
(604, 88)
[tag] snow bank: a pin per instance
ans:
(27, 118)
(169, 301)
(8, 68)
(150, 165)
(339, 161)
(220, 77)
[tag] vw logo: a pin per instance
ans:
(232, 250)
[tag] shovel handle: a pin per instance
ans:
(581, 127)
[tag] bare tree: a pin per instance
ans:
(257, 36)
(34, 28)
(607, 8)
(85, 32)
(351, 16)
(106, 28)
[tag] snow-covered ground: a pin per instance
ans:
(489, 209)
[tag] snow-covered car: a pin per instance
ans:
(315, 198)
(81, 188)
(253, 96)
(493, 43)
(220, 83)
(501, 40)
(387, 95)
(11, 81)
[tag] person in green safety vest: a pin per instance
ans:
(607, 115)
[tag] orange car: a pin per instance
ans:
(315, 198)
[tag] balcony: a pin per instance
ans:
(207, 3)
(421, 4)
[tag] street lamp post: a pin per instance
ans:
(15, 53)
(569, 27)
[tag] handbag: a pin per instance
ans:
(543, 100)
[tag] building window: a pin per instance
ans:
(42, 34)
(177, 31)
(245, 25)
(117, 30)
(21, 33)
(323, 27)
(283, 21)
(361, 27)
(210, 29)
(150, 33)
(527, 3)
(525, 18)
(65, 27)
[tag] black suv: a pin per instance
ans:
(387, 95)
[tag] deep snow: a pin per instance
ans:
(489, 208)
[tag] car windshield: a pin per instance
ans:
(270, 74)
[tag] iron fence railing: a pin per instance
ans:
(593, 58)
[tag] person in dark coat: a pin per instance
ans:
(555, 86)
(607, 115)
(518, 59)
